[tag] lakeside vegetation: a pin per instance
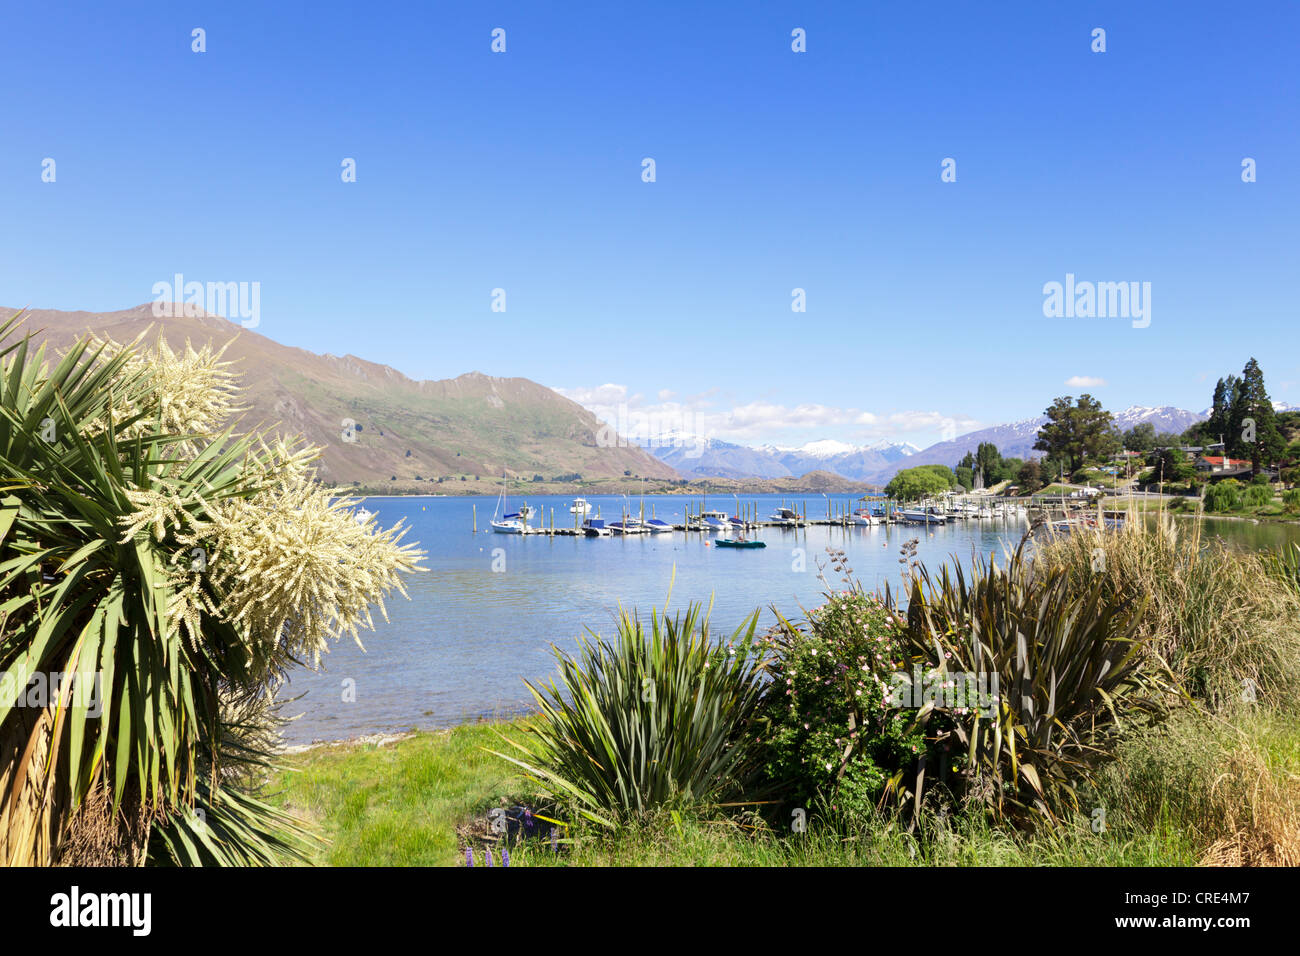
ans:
(1190, 756)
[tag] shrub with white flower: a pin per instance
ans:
(833, 741)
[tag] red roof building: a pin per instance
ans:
(1218, 466)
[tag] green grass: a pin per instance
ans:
(398, 804)
(1168, 799)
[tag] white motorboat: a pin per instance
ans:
(784, 517)
(714, 521)
(580, 506)
(922, 516)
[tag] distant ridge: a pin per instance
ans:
(712, 458)
(879, 462)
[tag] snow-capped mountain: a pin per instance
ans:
(1165, 418)
(698, 458)
(878, 462)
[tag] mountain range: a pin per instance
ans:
(713, 458)
(879, 462)
(403, 429)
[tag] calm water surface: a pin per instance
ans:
(460, 647)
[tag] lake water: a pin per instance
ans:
(460, 647)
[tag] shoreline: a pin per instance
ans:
(378, 739)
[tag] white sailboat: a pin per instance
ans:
(516, 523)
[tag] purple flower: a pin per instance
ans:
(505, 857)
(469, 856)
(488, 854)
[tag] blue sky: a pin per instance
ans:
(775, 170)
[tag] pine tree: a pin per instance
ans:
(987, 460)
(1255, 432)
(1218, 426)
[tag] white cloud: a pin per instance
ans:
(914, 421)
(1084, 381)
(758, 421)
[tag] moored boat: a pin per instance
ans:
(513, 523)
(921, 516)
(715, 521)
(784, 518)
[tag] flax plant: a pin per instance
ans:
(1072, 671)
(654, 719)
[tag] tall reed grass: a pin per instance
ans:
(1222, 619)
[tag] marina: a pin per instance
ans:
(842, 511)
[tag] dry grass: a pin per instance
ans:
(1260, 803)
(1231, 786)
(1226, 771)
(1227, 627)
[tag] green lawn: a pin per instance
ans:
(416, 802)
(397, 804)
